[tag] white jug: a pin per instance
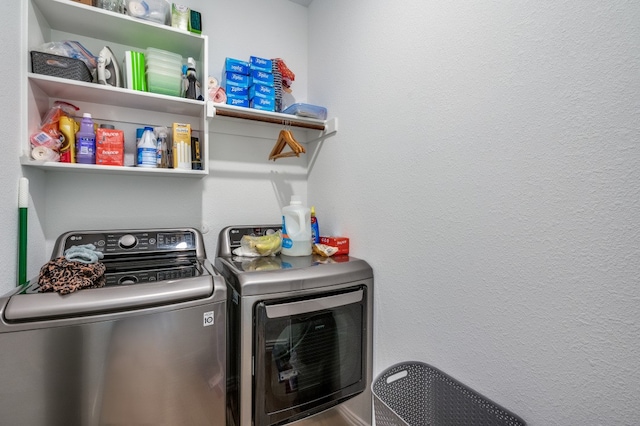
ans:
(296, 229)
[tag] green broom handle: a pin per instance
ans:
(22, 255)
(23, 204)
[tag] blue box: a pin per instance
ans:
(234, 79)
(260, 64)
(236, 65)
(261, 91)
(238, 102)
(232, 96)
(261, 77)
(238, 91)
(264, 104)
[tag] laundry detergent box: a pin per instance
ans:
(235, 79)
(264, 104)
(241, 102)
(261, 91)
(261, 64)
(341, 243)
(237, 66)
(109, 147)
(237, 92)
(261, 77)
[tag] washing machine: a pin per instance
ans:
(300, 336)
(149, 347)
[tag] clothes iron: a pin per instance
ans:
(108, 68)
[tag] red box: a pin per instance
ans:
(341, 243)
(109, 147)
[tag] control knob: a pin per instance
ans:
(127, 241)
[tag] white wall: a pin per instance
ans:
(488, 167)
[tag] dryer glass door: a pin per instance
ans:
(309, 354)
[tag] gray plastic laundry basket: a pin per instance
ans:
(417, 394)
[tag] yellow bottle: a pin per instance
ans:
(68, 127)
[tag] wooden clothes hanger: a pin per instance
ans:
(285, 138)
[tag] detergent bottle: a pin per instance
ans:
(315, 228)
(86, 141)
(296, 229)
(68, 127)
(147, 149)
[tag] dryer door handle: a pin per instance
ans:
(313, 305)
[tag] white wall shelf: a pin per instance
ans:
(61, 88)
(223, 110)
(55, 166)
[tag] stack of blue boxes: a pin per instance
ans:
(250, 84)
(236, 82)
(262, 94)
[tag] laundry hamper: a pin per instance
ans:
(417, 394)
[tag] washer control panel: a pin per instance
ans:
(236, 233)
(120, 242)
(230, 237)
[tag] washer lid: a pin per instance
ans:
(32, 306)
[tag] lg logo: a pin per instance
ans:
(207, 319)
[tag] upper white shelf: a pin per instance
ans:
(63, 88)
(94, 22)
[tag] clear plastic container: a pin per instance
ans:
(165, 83)
(150, 10)
(307, 110)
(163, 55)
(164, 72)
(162, 66)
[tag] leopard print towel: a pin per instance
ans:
(64, 276)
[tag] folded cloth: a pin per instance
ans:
(85, 253)
(65, 276)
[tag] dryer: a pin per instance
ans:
(300, 336)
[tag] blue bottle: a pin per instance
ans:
(315, 228)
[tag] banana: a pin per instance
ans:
(266, 244)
